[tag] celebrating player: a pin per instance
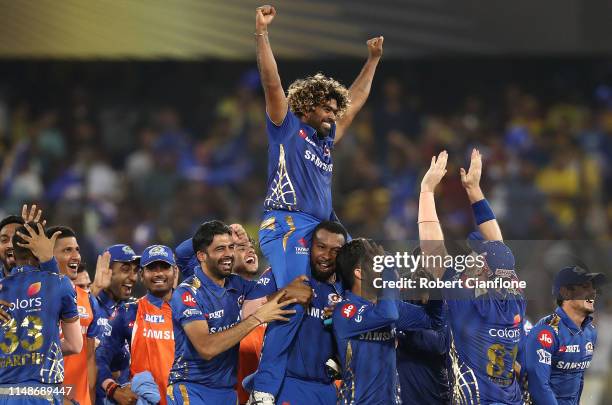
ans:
(302, 127)
(560, 347)
(8, 225)
(365, 324)
(208, 324)
(31, 362)
(146, 326)
(486, 324)
(67, 253)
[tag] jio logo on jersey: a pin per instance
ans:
(188, 299)
(545, 338)
(348, 311)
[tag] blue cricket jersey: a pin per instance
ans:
(486, 328)
(423, 363)
(299, 168)
(365, 336)
(30, 349)
(199, 299)
(557, 353)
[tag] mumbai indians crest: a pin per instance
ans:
(128, 250)
(158, 250)
(333, 298)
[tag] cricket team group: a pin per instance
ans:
(215, 327)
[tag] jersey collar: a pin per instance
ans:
(210, 285)
(106, 301)
(158, 302)
(570, 324)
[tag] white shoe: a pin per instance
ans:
(260, 398)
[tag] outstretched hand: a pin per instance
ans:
(102, 279)
(471, 179)
(263, 17)
(38, 243)
(32, 215)
(375, 47)
(437, 170)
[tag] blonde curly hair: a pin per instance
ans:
(304, 95)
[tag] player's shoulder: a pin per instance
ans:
(346, 310)
(545, 332)
(191, 283)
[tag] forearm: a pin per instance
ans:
(485, 218)
(431, 236)
(72, 342)
(268, 70)
(214, 344)
(360, 89)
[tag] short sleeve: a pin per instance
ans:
(185, 309)
(264, 286)
(276, 133)
(68, 300)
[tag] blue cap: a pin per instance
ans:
(497, 255)
(157, 253)
(122, 253)
(575, 275)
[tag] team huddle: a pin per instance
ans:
(215, 328)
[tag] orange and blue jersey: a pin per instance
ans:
(30, 348)
(75, 364)
(200, 299)
(557, 354)
(248, 358)
(365, 336)
(146, 326)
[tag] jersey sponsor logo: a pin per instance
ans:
(33, 289)
(192, 312)
(218, 329)
(506, 333)
(264, 281)
(188, 299)
(516, 320)
(311, 156)
(154, 318)
(589, 348)
(215, 315)
(29, 305)
(348, 310)
(545, 338)
(378, 336)
(302, 133)
(303, 248)
(82, 312)
(570, 349)
(573, 365)
(544, 356)
(316, 313)
(158, 334)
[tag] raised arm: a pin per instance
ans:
(360, 89)
(431, 236)
(485, 219)
(276, 101)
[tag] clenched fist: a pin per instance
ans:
(263, 17)
(375, 47)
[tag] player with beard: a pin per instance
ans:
(486, 324)
(145, 326)
(8, 225)
(303, 127)
(42, 303)
(560, 347)
(116, 275)
(68, 256)
(83, 279)
(208, 323)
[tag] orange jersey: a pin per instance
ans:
(75, 365)
(152, 347)
(248, 358)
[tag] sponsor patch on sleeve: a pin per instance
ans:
(348, 310)
(188, 299)
(545, 338)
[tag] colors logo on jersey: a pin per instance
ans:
(517, 320)
(545, 338)
(348, 310)
(188, 299)
(33, 289)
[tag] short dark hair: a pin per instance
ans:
(559, 302)
(350, 256)
(331, 226)
(82, 267)
(206, 233)
(11, 219)
(19, 251)
(65, 232)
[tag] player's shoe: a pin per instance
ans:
(261, 398)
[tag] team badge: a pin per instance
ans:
(589, 348)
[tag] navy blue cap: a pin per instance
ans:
(575, 275)
(497, 255)
(122, 253)
(157, 253)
